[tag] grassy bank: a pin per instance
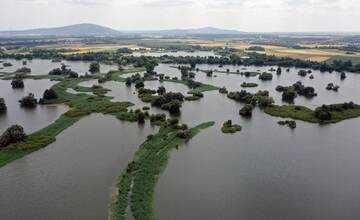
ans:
(137, 182)
(37, 140)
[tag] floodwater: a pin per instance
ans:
(348, 91)
(30, 119)
(121, 92)
(73, 177)
(264, 172)
(43, 66)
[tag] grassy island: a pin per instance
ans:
(195, 87)
(323, 115)
(249, 85)
(230, 128)
(136, 184)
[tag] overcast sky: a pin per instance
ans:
(243, 15)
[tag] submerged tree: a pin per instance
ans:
(149, 66)
(342, 76)
(289, 95)
(265, 76)
(17, 83)
(28, 101)
(161, 90)
(94, 67)
(2, 106)
(246, 111)
(223, 90)
(173, 106)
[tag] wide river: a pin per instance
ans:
(43, 66)
(264, 172)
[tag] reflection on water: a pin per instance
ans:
(30, 119)
(71, 178)
(347, 92)
(264, 172)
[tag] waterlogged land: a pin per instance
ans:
(268, 158)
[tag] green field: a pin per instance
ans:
(354, 60)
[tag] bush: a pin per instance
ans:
(290, 123)
(333, 87)
(209, 73)
(246, 111)
(143, 91)
(265, 76)
(128, 81)
(7, 64)
(161, 90)
(289, 95)
(342, 76)
(249, 85)
(322, 115)
(17, 84)
(223, 90)
(50, 94)
(139, 84)
(302, 73)
(141, 117)
(94, 67)
(3, 107)
(280, 88)
(183, 134)
(157, 118)
(173, 106)
(228, 127)
(13, 134)
(28, 101)
(265, 101)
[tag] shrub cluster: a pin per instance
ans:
(13, 134)
(260, 98)
(28, 101)
(3, 107)
(325, 112)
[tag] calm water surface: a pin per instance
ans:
(30, 119)
(42, 67)
(73, 177)
(264, 172)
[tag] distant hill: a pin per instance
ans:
(186, 32)
(97, 30)
(71, 30)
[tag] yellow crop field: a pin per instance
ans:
(83, 48)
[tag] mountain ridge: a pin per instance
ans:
(87, 29)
